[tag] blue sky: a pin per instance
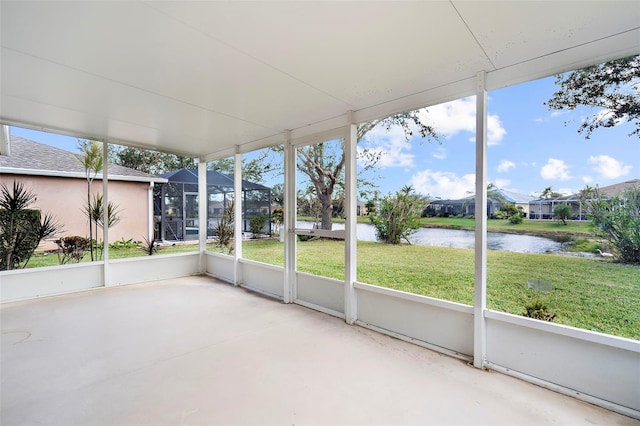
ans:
(530, 148)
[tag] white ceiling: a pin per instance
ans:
(199, 78)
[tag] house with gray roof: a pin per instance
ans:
(542, 208)
(58, 180)
(467, 206)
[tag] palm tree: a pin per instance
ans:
(547, 193)
(92, 162)
(95, 212)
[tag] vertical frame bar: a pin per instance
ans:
(480, 294)
(290, 213)
(202, 212)
(351, 239)
(237, 213)
(151, 214)
(105, 213)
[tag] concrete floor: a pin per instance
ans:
(195, 351)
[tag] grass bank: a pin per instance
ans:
(587, 293)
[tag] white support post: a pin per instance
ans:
(105, 213)
(480, 299)
(202, 212)
(351, 239)
(290, 213)
(237, 214)
(5, 141)
(150, 213)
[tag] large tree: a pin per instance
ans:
(253, 170)
(147, 161)
(613, 87)
(323, 164)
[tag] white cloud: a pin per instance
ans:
(608, 167)
(566, 191)
(587, 179)
(505, 165)
(391, 150)
(495, 131)
(501, 183)
(443, 184)
(558, 113)
(555, 170)
(448, 119)
(458, 116)
(440, 153)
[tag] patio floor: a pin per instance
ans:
(197, 351)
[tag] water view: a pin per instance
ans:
(461, 239)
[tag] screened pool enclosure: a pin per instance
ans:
(176, 204)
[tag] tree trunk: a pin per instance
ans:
(327, 211)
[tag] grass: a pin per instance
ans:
(587, 293)
(538, 227)
(51, 259)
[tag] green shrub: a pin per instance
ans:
(149, 246)
(72, 249)
(538, 310)
(562, 212)
(616, 219)
(398, 217)
(124, 244)
(21, 228)
(225, 229)
(256, 224)
(515, 219)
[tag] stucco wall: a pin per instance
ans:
(66, 197)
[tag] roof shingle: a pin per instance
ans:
(28, 155)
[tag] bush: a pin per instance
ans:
(72, 249)
(124, 244)
(499, 215)
(256, 224)
(225, 229)
(509, 209)
(617, 219)
(398, 216)
(21, 228)
(515, 219)
(538, 310)
(149, 246)
(562, 212)
(277, 219)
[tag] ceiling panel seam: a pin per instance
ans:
(248, 55)
(473, 35)
(567, 49)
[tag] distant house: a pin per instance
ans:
(467, 206)
(542, 208)
(58, 180)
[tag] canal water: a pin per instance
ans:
(462, 239)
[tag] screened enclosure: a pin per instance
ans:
(176, 204)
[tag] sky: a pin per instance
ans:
(530, 148)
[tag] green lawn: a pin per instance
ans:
(588, 293)
(51, 259)
(503, 225)
(535, 227)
